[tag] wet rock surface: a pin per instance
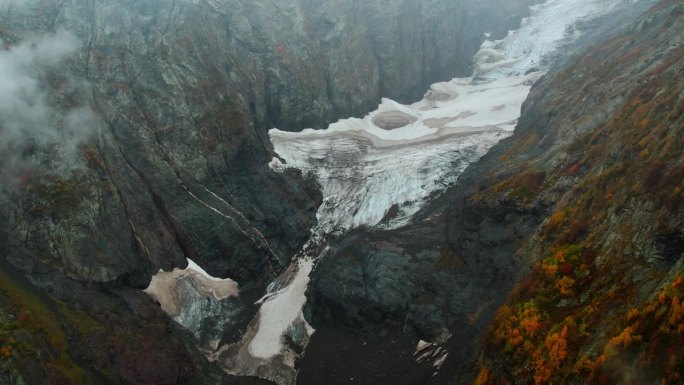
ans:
(185, 92)
(440, 279)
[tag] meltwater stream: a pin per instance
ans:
(379, 170)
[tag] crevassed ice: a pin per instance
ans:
(551, 25)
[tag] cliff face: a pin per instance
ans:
(165, 105)
(602, 303)
(576, 219)
(184, 93)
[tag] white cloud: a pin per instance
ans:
(23, 105)
(26, 116)
(7, 3)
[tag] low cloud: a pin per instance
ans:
(7, 3)
(34, 133)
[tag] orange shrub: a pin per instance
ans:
(483, 376)
(551, 356)
(565, 286)
(557, 218)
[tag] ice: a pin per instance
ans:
(164, 286)
(282, 310)
(380, 177)
(551, 25)
(422, 345)
(361, 183)
(276, 165)
(377, 177)
(440, 361)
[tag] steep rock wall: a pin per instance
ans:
(182, 93)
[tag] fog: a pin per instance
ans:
(5, 3)
(33, 131)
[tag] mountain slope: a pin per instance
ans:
(142, 142)
(578, 212)
(605, 135)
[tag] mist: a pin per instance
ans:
(35, 134)
(6, 3)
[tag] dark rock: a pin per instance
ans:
(184, 93)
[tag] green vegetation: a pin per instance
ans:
(523, 186)
(30, 331)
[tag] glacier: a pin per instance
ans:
(380, 170)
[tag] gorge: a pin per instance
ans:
(520, 225)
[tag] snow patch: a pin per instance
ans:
(422, 345)
(276, 165)
(163, 287)
(279, 311)
(440, 361)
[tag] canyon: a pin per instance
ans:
(519, 223)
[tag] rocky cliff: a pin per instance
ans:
(137, 138)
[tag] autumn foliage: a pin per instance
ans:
(650, 336)
(603, 303)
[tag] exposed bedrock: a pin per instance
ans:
(183, 94)
(439, 279)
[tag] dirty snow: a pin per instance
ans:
(163, 287)
(280, 311)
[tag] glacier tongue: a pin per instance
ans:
(369, 173)
(392, 160)
(363, 185)
(552, 25)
